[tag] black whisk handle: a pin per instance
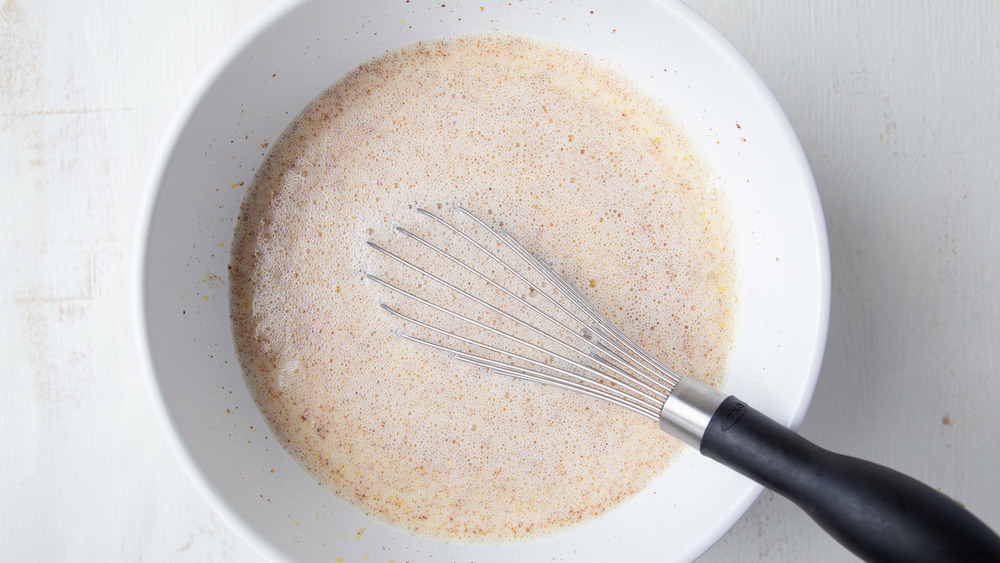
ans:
(876, 512)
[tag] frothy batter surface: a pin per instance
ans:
(577, 163)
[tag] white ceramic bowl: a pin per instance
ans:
(291, 54)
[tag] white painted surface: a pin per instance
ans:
(896, 103)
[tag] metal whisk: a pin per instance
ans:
(564, 341)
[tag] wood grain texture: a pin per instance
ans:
(896, 105)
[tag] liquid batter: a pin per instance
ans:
(579, 164)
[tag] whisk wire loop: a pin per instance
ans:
(618, 371)
(615, 369)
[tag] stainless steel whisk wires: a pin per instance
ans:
(878, 513)
(596, 358)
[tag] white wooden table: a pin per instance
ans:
(896, 103)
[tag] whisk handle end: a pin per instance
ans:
(876, 512)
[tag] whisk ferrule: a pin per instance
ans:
(689, 409)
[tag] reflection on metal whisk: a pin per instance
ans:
(878, 513)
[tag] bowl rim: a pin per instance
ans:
(152, 192)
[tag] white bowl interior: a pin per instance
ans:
(293, 53)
